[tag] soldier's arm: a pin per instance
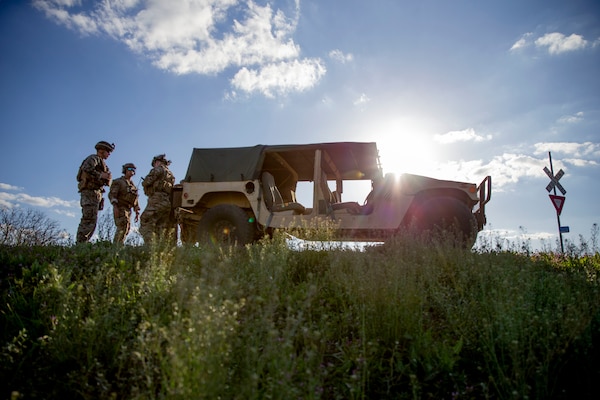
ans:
(113, 194)
(90, 166)
(150, 178)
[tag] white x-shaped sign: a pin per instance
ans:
(554, 181)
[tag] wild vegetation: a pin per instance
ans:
(21, 226)
(409, 320)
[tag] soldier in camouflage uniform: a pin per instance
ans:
(123, 196)
(93, 175)
(156, 218)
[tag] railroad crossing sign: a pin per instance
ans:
(558, 202)
(554, 181)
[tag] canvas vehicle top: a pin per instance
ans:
(243, 163)
(240, 194)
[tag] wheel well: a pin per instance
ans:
(442, 214)
(426, 195)
(212, 199)
(454, 193)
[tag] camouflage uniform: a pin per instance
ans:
(124, 195)
(91, 187)
(156, 218)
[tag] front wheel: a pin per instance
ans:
(226, 224)
(445, 215)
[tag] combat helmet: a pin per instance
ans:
(162, 158)
(128, 165)
(102, 145)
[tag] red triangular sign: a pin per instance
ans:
(558, 202)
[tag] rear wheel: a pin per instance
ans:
(444, 215)
(226, 224)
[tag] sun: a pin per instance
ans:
(405, 146)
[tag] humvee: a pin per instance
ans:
(238, 195)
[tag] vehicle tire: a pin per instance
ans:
(443, 215)
(226, 224)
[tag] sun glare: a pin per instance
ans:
(405, 147)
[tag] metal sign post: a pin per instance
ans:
(557, 201)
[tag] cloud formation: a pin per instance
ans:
(571, 119)
(554, 43)
(466, 135)
(339, 56)
(11, 200)
(281, 78)
(509, 168)
(204, 37)
(505, 169)
(557, 43)
(362, 100)
(6, 186)
(579, 150)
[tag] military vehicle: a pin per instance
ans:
(238, 195)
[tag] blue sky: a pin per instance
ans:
(449, 89)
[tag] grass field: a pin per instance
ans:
(407, 320)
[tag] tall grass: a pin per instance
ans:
(408, 320)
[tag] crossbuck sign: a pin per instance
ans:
(557, 201)
(554, 181)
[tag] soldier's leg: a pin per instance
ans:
(90, 201)
(147, 224)
(127, 217)
(122, 223)
(164, 225)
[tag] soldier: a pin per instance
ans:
(123, 196)
(156, 218)
(93, 175)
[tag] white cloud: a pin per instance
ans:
(558, 43)
(578, 162)
(339, 56)
(511, 235)
(506, 169)
(8, 197)
(362, 100)
(466, 135)
(326, 101)
(17, 199)
(67, 3)
(522, 42)
(7, 200)
(579, 150)
(294, 76)
(46, 202)
(554, 43)
(509, 168)
(571, 119)
(204, 37)
(6, 186)
(66, 213)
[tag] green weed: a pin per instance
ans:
(410, 319)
